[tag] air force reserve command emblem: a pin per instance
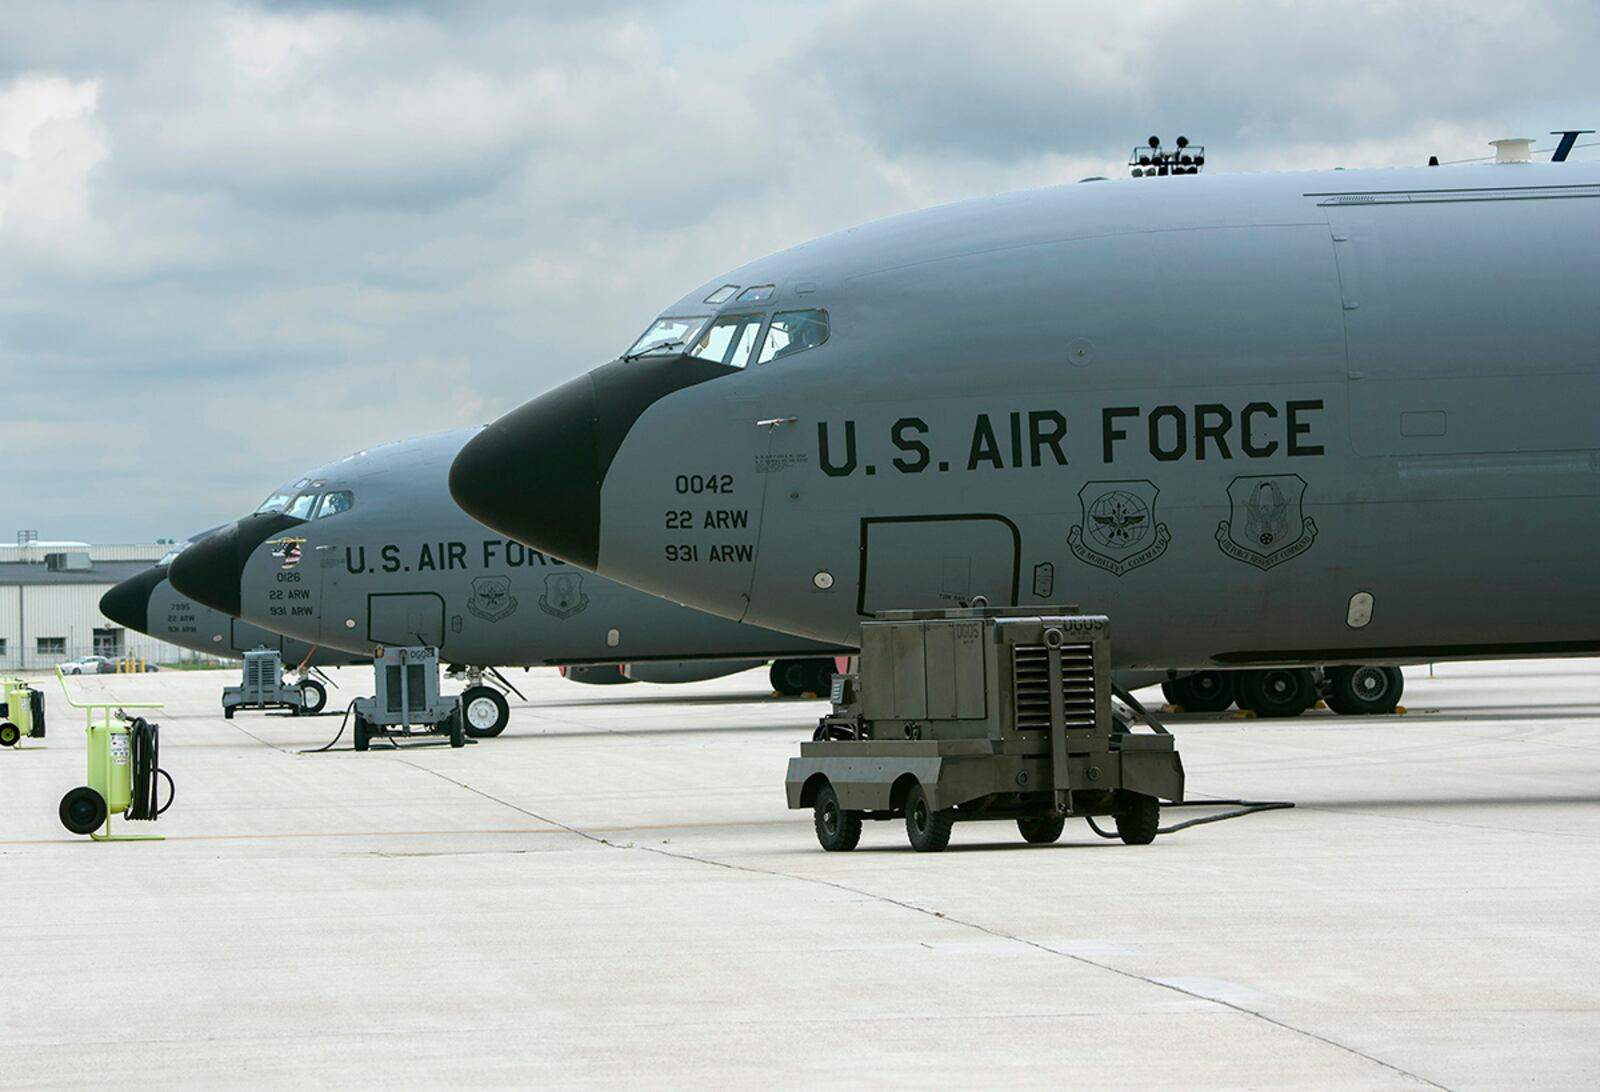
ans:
(491, 598)
(1119, 531)
(1266, 526)
(287, 550)
(563, 595)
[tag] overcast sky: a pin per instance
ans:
(238, 240)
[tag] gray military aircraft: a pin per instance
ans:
(149, 604)
(1263, 421)
(371, 551)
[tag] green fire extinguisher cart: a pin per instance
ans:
(124, 770)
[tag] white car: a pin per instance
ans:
(89, 665)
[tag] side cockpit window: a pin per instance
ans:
(334, 502)
(729, 340)
(793, 332)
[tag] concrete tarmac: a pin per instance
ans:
(613, 893)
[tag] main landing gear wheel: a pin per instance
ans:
(83, 811)
(1137, 817)
(1041, 831)
(789, 677)
(9, 734)
(486, 710)
(928, 830)
(837, 830)
(362, 737)
(1278, 691)
(313, 697)
(819, 677)
(1202, 692)
(1363, 689)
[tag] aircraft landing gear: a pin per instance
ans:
(484, 710)
(1202, 692)
(1362, 689)
(792, 678)
(314, 697)
(1278, 691)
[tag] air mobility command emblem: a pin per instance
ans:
(491, 598)
(1118, 531)
(1266, 526)
(563, 595)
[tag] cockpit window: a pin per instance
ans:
(301, 506)
(170, 556)
(340, 500)
(723, 294)
(667, 335)
(729, 340)
(793, 332)
(275, 503)
(756, 293)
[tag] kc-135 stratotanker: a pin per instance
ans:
(371, 551)
(1273, 419)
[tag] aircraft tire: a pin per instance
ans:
(313, 697)
(9, 734)
(1278, 691)
(819, 676)
(485, 711)
(1138, 817)
(788, 677)
(1364, 689)
(1041, 830)
(1202, 692)
(361, 739)
(927, 830)
(838, 831)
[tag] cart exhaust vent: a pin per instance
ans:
(1030, 672)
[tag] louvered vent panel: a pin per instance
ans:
(1030, 668)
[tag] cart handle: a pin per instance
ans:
(104, 704)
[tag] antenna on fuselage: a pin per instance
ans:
(1151, 160)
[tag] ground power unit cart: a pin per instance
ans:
(982, 713)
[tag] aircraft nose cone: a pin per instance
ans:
(209, 570)
(535, 475)
(128, 604)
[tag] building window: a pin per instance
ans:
(108, 642)
(52, 646)
(2, 648)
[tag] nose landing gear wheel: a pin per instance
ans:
(313, 697)
(927, 830)
(83, 811)
(1278, 691)
(486, 710)
(837, 830)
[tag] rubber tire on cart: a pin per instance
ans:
(1041, 830)
(313, 697)
(1362, 689)
(9, 734)
(227, 712)
(1202, 692)
(83, 811)
(927, 830)
(838, 831)
(789, 677)
(477, 704)
(1137, 817)
(362, 737)
(1278, 691)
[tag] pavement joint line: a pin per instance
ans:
(960, 922)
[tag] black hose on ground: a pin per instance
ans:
(328, 746)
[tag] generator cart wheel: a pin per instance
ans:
(1137, 817)
(1041, 830)
(1202, 692)
(313, 697)
(788, 677)
(83, 811)
(362, 739)
(487, 711)
(1363, 689)
(227, 712)
(1278, 691)
(9, 734)
(837, 830)
(928, 830)
(458, 728)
